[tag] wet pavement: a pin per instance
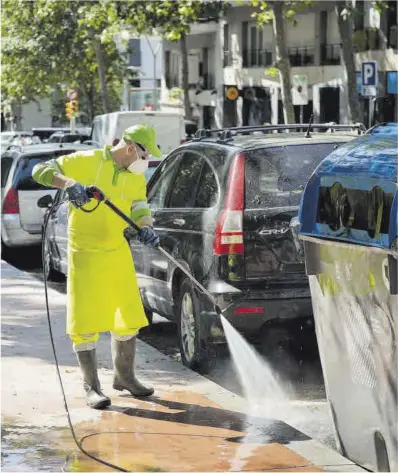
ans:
(174, 431)
(192, 424)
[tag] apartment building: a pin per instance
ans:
(146, 60)
(236, 53)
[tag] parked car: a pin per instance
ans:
(17, 138)
(57, 241)
(21, 218)
(222, 205)
(44, 133)
(68, 137)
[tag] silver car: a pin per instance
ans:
(21, 218)
(9, 139)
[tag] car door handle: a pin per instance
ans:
(179, 222)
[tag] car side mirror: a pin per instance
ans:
(45, 202)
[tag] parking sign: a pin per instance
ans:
(369, 78)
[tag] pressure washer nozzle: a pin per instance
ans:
(95, 193)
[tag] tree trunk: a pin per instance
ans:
(283, 62)
(86, 92)
(347, 57)
(185, 79)
(101, 74)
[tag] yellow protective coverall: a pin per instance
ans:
(102, 292)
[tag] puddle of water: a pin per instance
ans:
(32, 448)
(33, 458)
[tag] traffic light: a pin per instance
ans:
(71, 109)
(74, 106)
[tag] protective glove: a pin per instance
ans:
(77, 194)
(148, 237)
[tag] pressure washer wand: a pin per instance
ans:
(97, 194)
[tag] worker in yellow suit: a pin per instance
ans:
(102, 287)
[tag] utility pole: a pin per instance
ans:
(154, 55)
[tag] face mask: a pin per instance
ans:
(139, 166)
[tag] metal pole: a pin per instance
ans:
(155, 101)
(73, 125)
(301, 114)
(370, 114)
(154, 56)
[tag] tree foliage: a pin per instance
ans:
(50, 43)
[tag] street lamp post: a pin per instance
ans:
(154, 55)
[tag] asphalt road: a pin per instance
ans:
(303, 373)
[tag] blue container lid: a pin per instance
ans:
(353, 194)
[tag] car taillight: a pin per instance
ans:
(228, 238)
(249, 310)
(11, 202)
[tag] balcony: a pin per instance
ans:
(257, 58)
(303, 56)
(367, 39)
(330, 55)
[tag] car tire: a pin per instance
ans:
(195, 353)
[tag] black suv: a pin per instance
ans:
(223, 205)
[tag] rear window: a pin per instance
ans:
(68, 138)
(275, 177)
(6, 164)
(23, 175)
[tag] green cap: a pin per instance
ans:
(144, 135)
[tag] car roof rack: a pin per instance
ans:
(227, 134)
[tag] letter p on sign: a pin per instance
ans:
(369, 78)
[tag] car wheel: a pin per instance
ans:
(195, 354)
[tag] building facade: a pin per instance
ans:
(237, 53)
(146, 60)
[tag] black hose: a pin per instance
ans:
(77, 442)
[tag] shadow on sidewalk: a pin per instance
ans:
(265, 430)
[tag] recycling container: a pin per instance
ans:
(348, 231)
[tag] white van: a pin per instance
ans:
(169, 127)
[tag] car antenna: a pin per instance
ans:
(307, 135)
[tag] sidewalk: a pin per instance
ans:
(190, 424)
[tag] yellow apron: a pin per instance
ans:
(103, 293)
